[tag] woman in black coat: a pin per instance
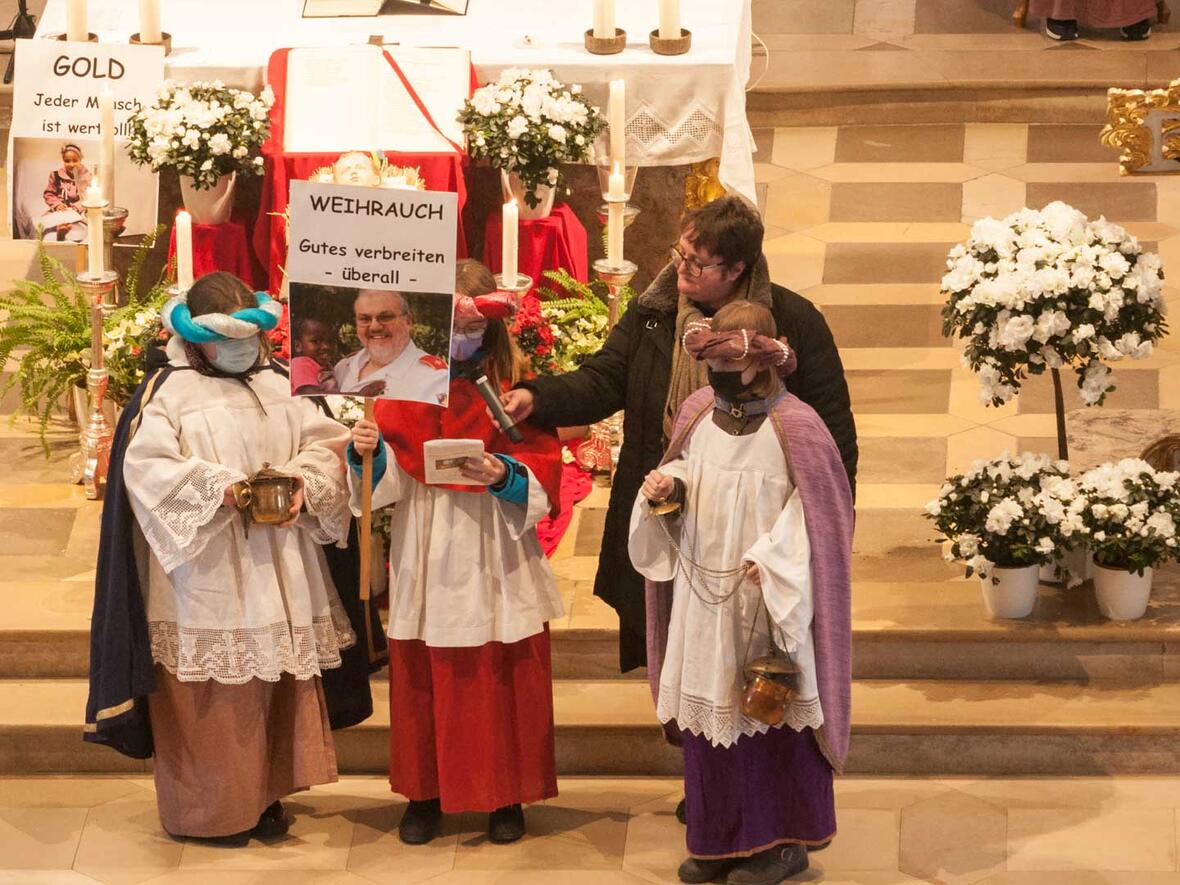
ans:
(717, 259)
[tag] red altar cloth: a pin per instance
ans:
(575, 485)
(558, 240)
(219, 247)
(440, 171)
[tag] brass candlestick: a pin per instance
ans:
(605, 45)
(165, 41)
(522, 285)
(114, 221)
(670, 45)
(89, 464)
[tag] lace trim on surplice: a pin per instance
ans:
(723, 724)
(176, 521)
(327, 501)
(233, 656)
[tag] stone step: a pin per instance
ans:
(903, 630)
(607, 727)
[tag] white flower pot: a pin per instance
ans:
(1122, 596)
(1076, 562)
(211, 205)
(1010, 592)
(513, 188)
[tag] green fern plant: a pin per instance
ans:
(46, 326)
(578, 315)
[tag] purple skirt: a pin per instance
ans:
(764, 790)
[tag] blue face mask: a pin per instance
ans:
(465, 344)
(236, 355)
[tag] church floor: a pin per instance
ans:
(1114, 831)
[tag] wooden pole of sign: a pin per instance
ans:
(366, 533)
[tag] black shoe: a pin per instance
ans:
(681, 814)
(233, 840)
(506, 824)
(272, 823)
(769, 867)
(820, 847)
(420, 822)
(1138, 31)
(1061, 28)
(697, 870)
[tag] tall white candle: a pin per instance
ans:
(615, 218)
(93, 204)
(617, 119)
(508, 242)
(149, 22)
(669, 19)
(76, 26)
(184, 251)
(604, 19)
(106, 148)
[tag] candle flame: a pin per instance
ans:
(512, 201)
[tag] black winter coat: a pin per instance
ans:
(632, 372)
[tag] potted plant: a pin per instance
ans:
(48, 327)
(1131, 514)
(1004, 519)
(578, 315)
(526, 124)
(209, 133)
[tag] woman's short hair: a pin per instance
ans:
(729, 228)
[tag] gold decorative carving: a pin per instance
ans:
(702, 184)
(1127, 129)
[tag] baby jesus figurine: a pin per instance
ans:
(369, 170)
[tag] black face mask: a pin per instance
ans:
(727, 385)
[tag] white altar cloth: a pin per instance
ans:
(680, 109)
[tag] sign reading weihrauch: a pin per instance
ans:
(372, 273)
(64, 96)
(373, 237)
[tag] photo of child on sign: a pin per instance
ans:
(370, 342)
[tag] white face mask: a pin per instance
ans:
(236, 355)
(465, 344)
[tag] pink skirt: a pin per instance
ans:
(1095, 13)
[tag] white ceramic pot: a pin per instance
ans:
(1010, 592)
(513, 188)
(1122, 595)
(211, 205)
(1076, 562)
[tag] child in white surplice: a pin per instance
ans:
(241, 624)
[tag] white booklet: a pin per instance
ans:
(445, 457)
(348, 98)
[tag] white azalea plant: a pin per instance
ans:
(529, 123)
(203, 129)
(1048, 289)
(1131, 513)
(1009, 512)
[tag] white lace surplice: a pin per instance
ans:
(741, 506)
(466, 568)
(220, 605)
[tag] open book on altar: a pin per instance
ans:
(346, 98)
(348, 8)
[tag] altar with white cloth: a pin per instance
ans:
(680, 109)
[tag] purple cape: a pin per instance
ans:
(817, 472)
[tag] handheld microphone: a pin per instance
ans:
(492, 398)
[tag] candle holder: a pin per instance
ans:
(91, 37)
(114, 222)
(606, 45)
(165, 41)
(615, 277)
(670, 45)
(604, 168)
(520, 286)
(89, 464)
(596, 452)
(630, 213)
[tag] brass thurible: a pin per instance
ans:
(265, 498)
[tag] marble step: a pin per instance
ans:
(607, 727)
(914, 630)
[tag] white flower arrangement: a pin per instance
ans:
(1131, 514)
(203, 129)
(529, 123)
(1049, 289)
(1010, 512)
